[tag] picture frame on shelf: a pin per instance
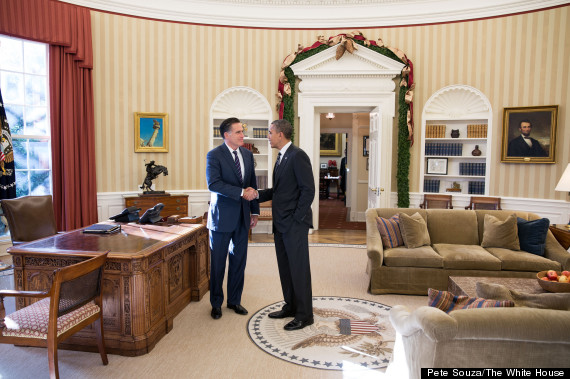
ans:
(324, 165)
(365, 146)
(436, 166)
(535, 124)
(151, 132)
(330, 144)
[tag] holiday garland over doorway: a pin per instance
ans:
(350, 42)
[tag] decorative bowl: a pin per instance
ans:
(552, 286)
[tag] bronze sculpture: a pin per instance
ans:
(152, 172)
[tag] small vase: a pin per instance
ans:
(476, 152)
(454, 133)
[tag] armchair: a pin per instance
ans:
(73, 302)
(29, 218)
(436, 201)
(479, 202)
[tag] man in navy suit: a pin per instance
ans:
(524, 145)
(293, 193)
(229, 170)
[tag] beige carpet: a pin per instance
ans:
(200, 347)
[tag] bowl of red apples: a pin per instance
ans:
(554, 281)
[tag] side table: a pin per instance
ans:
(173, 204)
(562, 234)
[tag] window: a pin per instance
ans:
(25, 90)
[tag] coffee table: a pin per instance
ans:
(467, 285)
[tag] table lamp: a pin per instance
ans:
(564, 184)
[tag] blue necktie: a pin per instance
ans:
(238, 166)
(277, 162)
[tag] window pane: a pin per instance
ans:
(35, 58)
(11, 53)
(20, 154)
(39, 181)
(12, 87)
(36, 123)
(35, 90)
(15, 116)
(22, 183)
(39, 153)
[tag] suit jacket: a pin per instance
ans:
(293, 190)
(519, 148)
(225, 187)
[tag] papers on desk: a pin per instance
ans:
(102, 229)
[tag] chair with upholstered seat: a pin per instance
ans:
(73, 302)
(29, 218)
(479, 202)
(436, 201)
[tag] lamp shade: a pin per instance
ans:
(564, 183)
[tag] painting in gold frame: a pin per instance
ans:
(151, 132)
(529, 134)
(331, 144)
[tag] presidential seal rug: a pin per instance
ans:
(347, 331)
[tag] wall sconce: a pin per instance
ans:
(330, 115)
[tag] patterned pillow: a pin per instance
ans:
(389, 229)
(447, 302)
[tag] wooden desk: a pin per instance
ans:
(173, 204)
(151, 274)
(562, 234)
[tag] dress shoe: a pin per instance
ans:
(297, 324)
(281, 314)
(216, 313)
(238, 309)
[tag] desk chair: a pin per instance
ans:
(478, 202)
(73, 302)
(29, 218)
(436, 201)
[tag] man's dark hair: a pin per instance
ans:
(525, 120)
(284, 127)
(226, 125)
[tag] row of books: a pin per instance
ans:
(476, 188)
(477, 131)
(435, 131)
(450, 149)
(262, 182)
(431, 185)
(476, 169)
(259, 132)
(216, 132)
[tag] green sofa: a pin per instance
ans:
(455, 250)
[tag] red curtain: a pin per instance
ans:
(67, 29)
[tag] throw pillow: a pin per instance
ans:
(497, 233)
(447, 302)
(389, 229)
(559, 301)
(414, 230)
(532, 235)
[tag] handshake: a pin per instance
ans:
(249, 194)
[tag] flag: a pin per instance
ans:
(7, 172)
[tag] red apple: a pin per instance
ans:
(566, 273)
(552, 275)
(545, 278)
(563, 279)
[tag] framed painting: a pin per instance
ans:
(331, 144)
(529, 134)
(151, 132)
(437, 166)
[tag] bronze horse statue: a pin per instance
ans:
(152, 172)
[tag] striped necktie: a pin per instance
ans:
(277, 162)
(238, 166)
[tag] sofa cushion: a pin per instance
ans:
(414, 230)
(447, 302)
(470, 257)
(423, 256)
(560, 301)
(453, 226)
(389, 229)
(532, 235)
(522, 261)
(501, 215)
(500, 233)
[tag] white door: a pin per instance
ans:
(374, 166)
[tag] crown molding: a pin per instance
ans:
(316, 14)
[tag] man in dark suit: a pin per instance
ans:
(230, 169)
(524, 145)
(292, 195)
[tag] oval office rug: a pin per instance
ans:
(346, 331)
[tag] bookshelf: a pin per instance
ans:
(255, 112)
(456, 121)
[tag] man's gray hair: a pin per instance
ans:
(284, 127)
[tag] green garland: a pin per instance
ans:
(403, 168)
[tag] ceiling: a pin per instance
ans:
(316, 14)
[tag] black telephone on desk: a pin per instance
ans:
(129, 214)
(152, 215)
